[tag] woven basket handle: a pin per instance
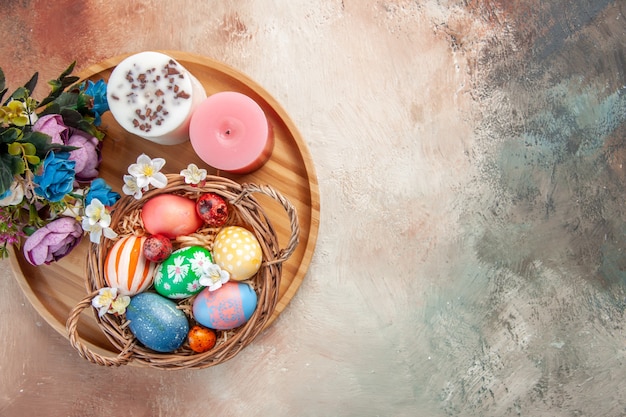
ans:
(285, 253)
(71, 325)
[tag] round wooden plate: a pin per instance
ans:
(55, 289)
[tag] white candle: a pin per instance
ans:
(153, 96)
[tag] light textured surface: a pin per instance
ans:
(470, 255)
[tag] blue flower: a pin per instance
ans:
(101, 191)
(57, 177)
(98, 91)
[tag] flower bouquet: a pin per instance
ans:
(50, 152)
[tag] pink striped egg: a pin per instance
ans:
(126, 268)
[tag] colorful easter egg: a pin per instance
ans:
(178, 276)
(157, 248)
(226, 308)
(126, 268)
(237, 251)
(201, 339)
(156, 322)
(170, 215)
(212, 208)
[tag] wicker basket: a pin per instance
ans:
(244, 211)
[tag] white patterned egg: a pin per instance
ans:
(126, 268)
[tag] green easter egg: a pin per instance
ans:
(178, 276)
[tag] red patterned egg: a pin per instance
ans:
(126, 267)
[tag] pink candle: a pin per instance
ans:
(229, 131)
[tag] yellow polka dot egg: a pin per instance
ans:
(237, 251)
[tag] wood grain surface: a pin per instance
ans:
(55, 289)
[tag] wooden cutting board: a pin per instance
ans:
(55, 289)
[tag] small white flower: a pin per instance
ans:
(95, 211)
(213, 276)
(108, 301)
(104, 299)
(118, 306)
(97, 221)
(130, 187)
(14, 196)
(96, 231)
(193, 174)
(147, 172)
(74, 208)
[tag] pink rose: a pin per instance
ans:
(53, 241)
(88, 155)
(53, 126)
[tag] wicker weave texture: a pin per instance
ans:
(244, 211)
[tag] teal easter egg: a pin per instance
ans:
(179, 275)
(156, 322)
(226, 308)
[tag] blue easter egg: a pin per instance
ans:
(156, 322)
(226, 308)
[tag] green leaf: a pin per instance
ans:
(59, 85)
(87, 127)
(32, 159)
(40, 141)
(67, 100)
(71, 117)
(32, 83)
(55, 85)
(67, 81)
(68, 70)
(53, 108)
(6, 172)
(10, 135)
(43, 144)
(19, 167)
(29, 148)
(20, 94)
(15, 148)
(3, 88)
